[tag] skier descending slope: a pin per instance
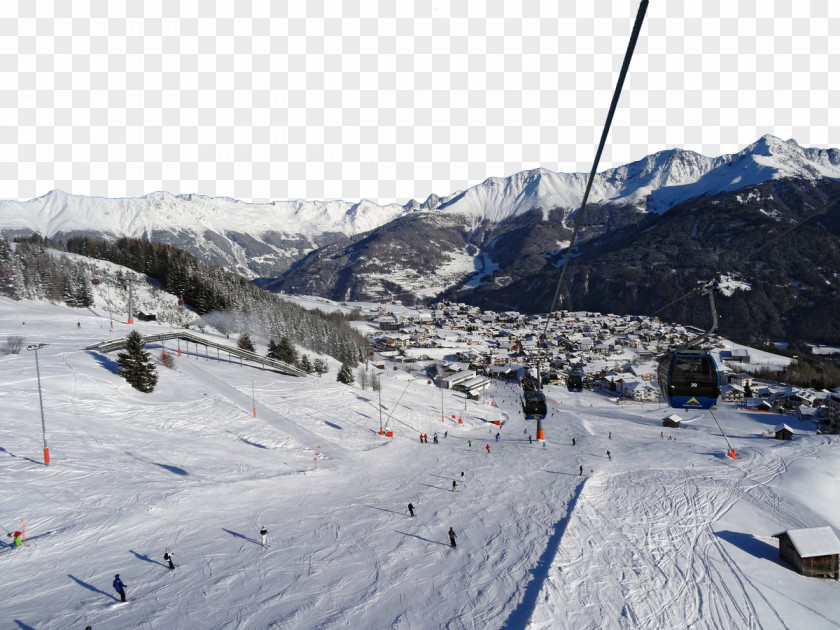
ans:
(452, 537)
(167, 555)
(264, 536)
(119, 586)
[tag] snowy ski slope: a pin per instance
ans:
(667, 534)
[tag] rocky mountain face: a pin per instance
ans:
(651, 229)
(780, 239)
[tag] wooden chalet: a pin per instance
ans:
(813, 552)
(783, 432)
(671, 421)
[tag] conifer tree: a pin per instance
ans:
(306, 364)
(136, 365)
(245, 343)
(286, 351)
(345, 375)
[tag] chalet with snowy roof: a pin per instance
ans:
(732, 393)
(813, 552)
(758, 404)
(672, 421)
(783, 432)
(639, 391)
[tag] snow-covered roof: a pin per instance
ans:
(781, 427)
(813, 541)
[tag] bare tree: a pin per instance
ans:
(362, 377)
(13, 344)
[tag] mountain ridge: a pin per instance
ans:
(263, 240)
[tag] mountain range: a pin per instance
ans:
(647, 234)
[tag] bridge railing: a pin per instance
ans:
(280, 366)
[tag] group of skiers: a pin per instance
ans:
(120, 586)
(424, 437)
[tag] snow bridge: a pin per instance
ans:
(186, 337)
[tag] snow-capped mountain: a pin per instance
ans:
(264, 240)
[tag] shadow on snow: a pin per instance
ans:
(521, 615)
(91, 587)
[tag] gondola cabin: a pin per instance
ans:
(689, 379)
(575, 382)
(535, 405)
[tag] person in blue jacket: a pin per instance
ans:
(119, 586)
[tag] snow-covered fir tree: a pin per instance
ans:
(345, 375)
(136, 365)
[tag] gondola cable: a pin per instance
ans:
(628, 55)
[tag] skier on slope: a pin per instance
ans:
(119, 586)
(264, 536)
(488, 449)
(167, 555)
(452, 537)
(16, 537)
(411, 510)
(454, 485)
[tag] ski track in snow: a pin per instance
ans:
(649, 540)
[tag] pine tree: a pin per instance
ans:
(245, 343)
(136, 365)
(286, 351)
(345, 375)
(272, 350)
(306, 364)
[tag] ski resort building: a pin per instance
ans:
(783, 432)
(813, 552)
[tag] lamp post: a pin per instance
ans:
(41, 400)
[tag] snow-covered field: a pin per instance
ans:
(666, 534)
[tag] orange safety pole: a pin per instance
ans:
(46, 455)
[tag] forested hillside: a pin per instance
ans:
(34, 269)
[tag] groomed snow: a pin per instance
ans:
(666, 534)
